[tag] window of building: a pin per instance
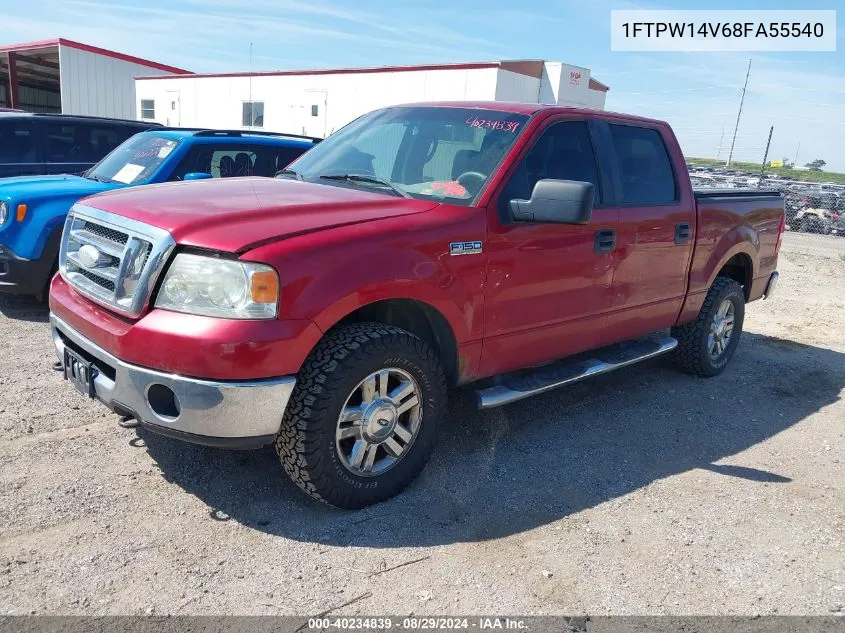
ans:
(315, 110)
(644, 165)
(253, 114)
(148, 109)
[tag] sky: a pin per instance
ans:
(801, 94)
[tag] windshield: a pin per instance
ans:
(439, 153)
(135, 160)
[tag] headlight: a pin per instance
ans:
(4, 212)
(220, 288)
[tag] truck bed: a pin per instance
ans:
(744, 222)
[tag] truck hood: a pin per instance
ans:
(237, 214)
(28, 189)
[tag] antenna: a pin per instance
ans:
(251, 104)
(738, 114)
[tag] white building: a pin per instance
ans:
(68, 77)
(317, 102)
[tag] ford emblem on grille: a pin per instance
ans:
(89, 256)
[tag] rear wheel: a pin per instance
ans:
(707, 344)
(363, 418)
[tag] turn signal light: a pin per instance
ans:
(264, 287)
(21, 214)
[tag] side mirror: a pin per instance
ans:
(556, 201)
(197, 175)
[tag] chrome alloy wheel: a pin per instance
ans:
(378, 423)
(721, 329)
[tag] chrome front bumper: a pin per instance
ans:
(228, 414)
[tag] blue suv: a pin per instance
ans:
(33, 208)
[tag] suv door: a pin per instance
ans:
(656, 227)
(221, 160)
(20, 147)
(549, 286)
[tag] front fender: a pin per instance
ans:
(43, 219)
(329, 274)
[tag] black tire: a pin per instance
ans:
(306, 441)
(692, 354)
(44, 295)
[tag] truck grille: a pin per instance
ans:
(111, 259)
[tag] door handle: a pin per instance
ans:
(682, 233)
(605, 241)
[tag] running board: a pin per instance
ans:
(526, 383)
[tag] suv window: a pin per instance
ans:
(77, 142)
(563, 152)
(644, 166)
(17, 141)
(228, 161)
(135, 160)
(232, 161)
(280, 157)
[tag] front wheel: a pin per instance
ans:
(707, 344)
(362, 421)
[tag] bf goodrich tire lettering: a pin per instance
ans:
(307, 441)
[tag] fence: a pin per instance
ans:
(816, 208)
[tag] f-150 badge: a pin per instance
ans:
(464, 248)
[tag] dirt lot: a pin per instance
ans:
(646, 491)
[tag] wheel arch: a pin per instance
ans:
(740, 268)
(417, 317)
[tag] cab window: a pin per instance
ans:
(563, 152)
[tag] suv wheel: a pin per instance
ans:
(707, 344)
(362, 421)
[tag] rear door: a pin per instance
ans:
(656, 226)
(20, 147)
(549, 286)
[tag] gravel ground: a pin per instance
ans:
(641, 492)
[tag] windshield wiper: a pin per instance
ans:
(367, 178)
(289, 172)
(97, 178)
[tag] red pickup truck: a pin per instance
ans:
(328, 310)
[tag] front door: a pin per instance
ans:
(549, 286)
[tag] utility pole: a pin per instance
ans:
(795, 162)
(721, 138)
(738, 114)
(765, 156)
